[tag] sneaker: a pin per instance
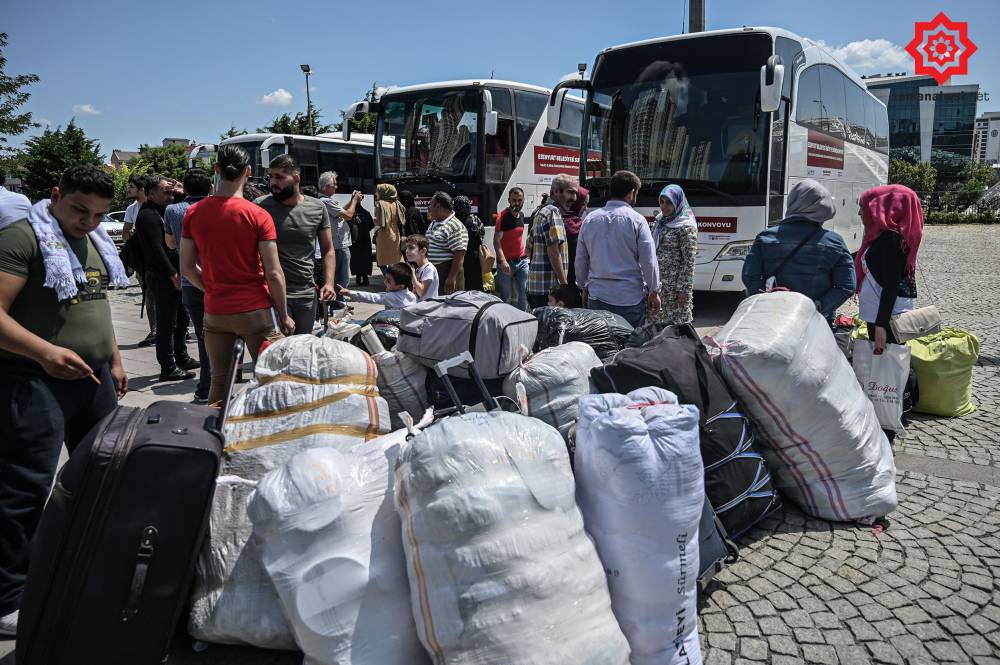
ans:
(200, 399)
(177, 374)
(8, 625)
(188, 337)
(149, 340)
(188, 363)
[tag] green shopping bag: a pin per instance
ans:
(943, 363)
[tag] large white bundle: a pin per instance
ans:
(307, 392)
(641, 489)
(401, 381)
(501, 571)
(329, 539)
(818, 430)
(554, 379)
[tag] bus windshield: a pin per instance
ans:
(683, 111)
(433, 132)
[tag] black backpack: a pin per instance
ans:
(737, 482)
(131, 255)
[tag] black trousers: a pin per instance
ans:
(194, 302)
(171, 322)
(37, 414)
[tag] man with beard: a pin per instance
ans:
(508, 243)
(549, 252)
(164, 280)
(300, 221)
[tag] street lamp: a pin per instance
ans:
(309, 113)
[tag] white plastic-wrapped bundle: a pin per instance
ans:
(641, 489)
(818, 430)
(501, 571)
(401, 381)
(329, 538)
(307, 392)
(554, 379)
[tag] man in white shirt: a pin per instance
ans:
(137, 190)
(13, 206)
(339, 218)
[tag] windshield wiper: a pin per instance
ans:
(689, 185)
(419, 177)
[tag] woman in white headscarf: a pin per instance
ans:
(675, 234)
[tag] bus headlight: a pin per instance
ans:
(735, 251)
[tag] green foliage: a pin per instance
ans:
(945, 217)
(12, 97)
(920, 177)
(170, 161)
(363, 123)
(121, 176)
(45, 158)
(231, 132)
(299, 124)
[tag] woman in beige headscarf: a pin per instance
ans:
(389, 219)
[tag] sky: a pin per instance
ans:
(134, 73)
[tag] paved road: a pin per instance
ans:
(805, 590)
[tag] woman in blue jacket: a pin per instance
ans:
(800, 255)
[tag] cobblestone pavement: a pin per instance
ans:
(923, 591)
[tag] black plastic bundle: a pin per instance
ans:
(603, 331)
(386, 325)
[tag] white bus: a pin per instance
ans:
(735, 117)
(351, 159)
(477, 138)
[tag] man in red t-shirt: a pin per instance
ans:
(229, 251)
(508, 243)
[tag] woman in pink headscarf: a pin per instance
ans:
(886, 264)
(572, 221)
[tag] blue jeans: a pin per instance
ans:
(519, 275)
(634, 314)
(343, 274)
(194, 302)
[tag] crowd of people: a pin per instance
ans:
(238, 262)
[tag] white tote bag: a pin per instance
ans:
(883, 378)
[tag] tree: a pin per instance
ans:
(12, 97)
(231, 132)
(299, 124)
(45, 158)
(170, 161)
(920, 177)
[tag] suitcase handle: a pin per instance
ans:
(464, 358)
(147, 547)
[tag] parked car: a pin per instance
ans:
(114, 228)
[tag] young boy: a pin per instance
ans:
(426, 284)
(398, 282)
(563, 295)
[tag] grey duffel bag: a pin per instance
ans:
(491, 330)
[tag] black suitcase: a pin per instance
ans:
(714, 547)
(737, 481)
(116, 546)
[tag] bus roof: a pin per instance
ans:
(356, 139)
(466, 83)
(815, 52)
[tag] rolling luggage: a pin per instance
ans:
(116, 547)
(715, 550)
(737, 481)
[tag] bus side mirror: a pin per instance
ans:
(490, 117)
(553, 112)
(350, 112)
(772, 76)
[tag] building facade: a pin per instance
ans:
(986, 144)
(925, 116)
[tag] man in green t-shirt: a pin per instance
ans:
(300, 221)
(59, 360)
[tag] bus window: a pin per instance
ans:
(833, 102)
(870, 115)
(500, 148)
(789, 50)
(529, 107)
(881, 128)
(808, 106)
(570, 124)
(856, 105)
